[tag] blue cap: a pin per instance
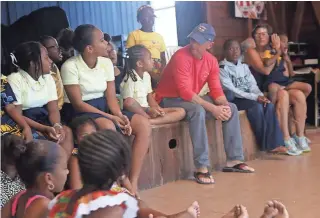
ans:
(203, 33)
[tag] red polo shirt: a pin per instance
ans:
(185, 76)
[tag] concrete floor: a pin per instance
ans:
(295, 181)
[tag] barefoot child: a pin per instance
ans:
(137, 92)
(104, 158)
(81, 127)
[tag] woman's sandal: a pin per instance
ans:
(199, 175)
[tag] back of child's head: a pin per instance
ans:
(78, 122)
(31, 159)
(83, 36)
(134, 54)
(103, 157)
(107, 37)
(24, 54)
(65, 38)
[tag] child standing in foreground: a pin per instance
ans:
(137, 92)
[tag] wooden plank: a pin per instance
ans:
(316, 8)
(297, 21)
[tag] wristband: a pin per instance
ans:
(59, 125)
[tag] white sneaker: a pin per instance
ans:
(291, 146)
(302, 143)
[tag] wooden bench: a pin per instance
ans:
(170, 155)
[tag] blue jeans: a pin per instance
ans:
(263, 120)
(196, 117)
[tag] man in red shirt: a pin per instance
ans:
(189, 69)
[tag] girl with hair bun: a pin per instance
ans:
(42, 167)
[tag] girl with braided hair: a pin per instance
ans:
(42, 167)
(82, 126)
(137, 92)
(104, 158)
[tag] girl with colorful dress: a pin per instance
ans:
(104, 158)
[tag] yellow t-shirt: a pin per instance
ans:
(152, 41)
(138, 90)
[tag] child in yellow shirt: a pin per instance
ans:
(151, 40)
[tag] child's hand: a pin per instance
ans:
(27, 134)
(154, 112)
(51, 133)
(162, 113)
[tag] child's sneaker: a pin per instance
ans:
(292, 149)
(302, 143)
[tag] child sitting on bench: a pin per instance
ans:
(137, 92)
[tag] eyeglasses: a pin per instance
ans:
(261, 34)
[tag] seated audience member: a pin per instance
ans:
(88, 80)
(104, 159)
(270, 61)
(11, 120)
(113, 56)
(238, 82)
(82, 126)
(185, 75)
(11, 183)
(64, 39)
(136, 89)
(151, 40)
(42, 166)
(54, 53)
(36, 95)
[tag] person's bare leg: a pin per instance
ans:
(304, 87)
(105, 123)
(193, 211)
(292, 122)
(74, 175)
(133, 106)
(298, 100)
(273, 90)
(67, 144)
(172, 115)
(141, 129)
(282, 108)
